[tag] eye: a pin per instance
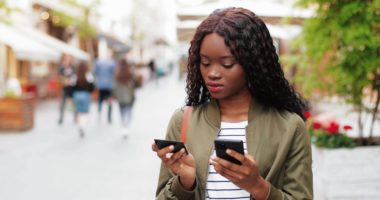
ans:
(228, 65)
(205, 64)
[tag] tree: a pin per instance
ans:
(341, 45)
(5, 11)
(86, 30)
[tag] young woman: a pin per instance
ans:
(124, 92)
(82, 86)
(238, 91)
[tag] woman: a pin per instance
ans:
(82, 86)
(238, 91)
(124, 92)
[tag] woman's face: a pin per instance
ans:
(222, 74)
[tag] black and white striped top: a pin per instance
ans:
(217, 186)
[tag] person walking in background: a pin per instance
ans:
(104, 72)
(238, 91)
(66, 71)
(153, 68)
(124, 92)
(82, 86)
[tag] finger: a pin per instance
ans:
(162, 152)
(187, 158)
(229, 174)
(238, 156)
(176, 157)
(227, 165)
(224, 172)
(154, 147)
(250, 159)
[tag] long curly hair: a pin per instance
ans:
(250, 42)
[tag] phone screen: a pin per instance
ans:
(221, 145)
(164, 143)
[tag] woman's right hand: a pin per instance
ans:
(180, 163)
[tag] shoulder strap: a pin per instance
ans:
(185, 122)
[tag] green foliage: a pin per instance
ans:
(341, 46)
(324, 140)
(330, 135)
(85, 29)
(5, 10)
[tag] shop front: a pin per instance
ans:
(19, 54)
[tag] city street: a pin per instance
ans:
(52, 162)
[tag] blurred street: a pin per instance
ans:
(52, 162)
(138, 51)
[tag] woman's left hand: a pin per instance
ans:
(246, 176)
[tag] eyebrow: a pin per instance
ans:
(223, 57)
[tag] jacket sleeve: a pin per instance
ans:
(298, 178)
(169, 187)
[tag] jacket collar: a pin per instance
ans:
(213, 111)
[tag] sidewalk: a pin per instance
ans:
(52, 162)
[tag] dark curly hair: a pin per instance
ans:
(250, 42)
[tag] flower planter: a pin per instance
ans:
(347, 174)
(16, 114)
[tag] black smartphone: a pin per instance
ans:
(221, 145)
(164, 143)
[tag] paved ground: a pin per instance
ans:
(52, 162)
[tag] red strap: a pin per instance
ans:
(185, 122)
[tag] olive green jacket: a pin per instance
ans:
(278, 141)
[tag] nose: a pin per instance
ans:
(214, 72)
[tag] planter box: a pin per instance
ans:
(17, 113)
(347, 174)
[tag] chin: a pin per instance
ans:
(217, 96)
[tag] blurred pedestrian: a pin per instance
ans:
(104, 71)
(237, 89)
(82, 86)
(124, 92)
(152, 66)
(65, 72)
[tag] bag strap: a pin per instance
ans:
(185, 122)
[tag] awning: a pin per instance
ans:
(54, 43)
(25, 47)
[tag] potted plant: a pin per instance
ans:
(329, 134)
(340, 56)
(16, 109)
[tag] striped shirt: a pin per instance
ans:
(217, 186)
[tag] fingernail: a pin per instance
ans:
(171, 147)
(228, 151)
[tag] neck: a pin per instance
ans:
(235, 110)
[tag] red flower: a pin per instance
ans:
(333, 128)
(347, 127)
(307, 114)
(317, 125)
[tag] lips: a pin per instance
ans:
(214, 87)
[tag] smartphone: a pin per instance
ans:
(164, 143)
(221, 145)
